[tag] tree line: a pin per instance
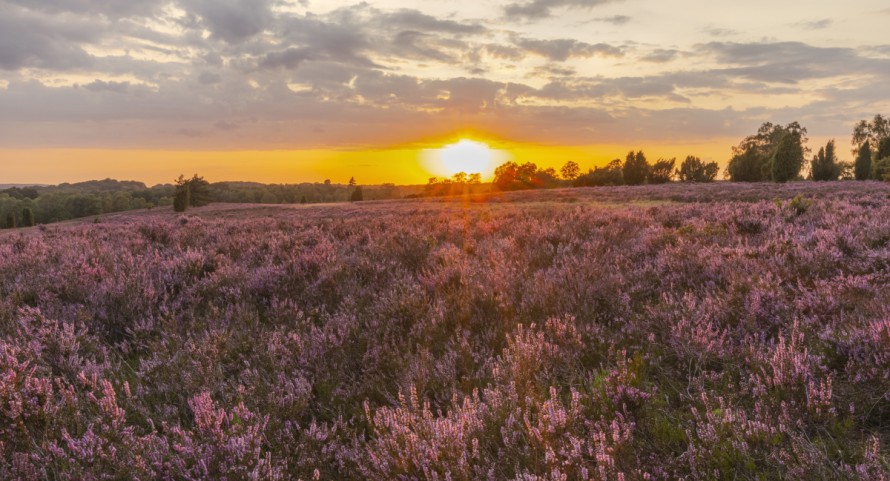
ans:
(27, 206)
(775, 153)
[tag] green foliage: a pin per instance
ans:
(357, 195)
(182, 196)
(635, 169)
(662, 171)
(570, 171)
(693, 169)
(824, 165)
(752, 158)
(846, 170)
(881, 169)
(10, 221)
(863, 162)
(28, 217)
(194, 192)
(602, 176)
(788, 159)
(883, 149)
(799, 205)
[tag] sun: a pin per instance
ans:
(467, 156)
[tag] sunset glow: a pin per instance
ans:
(305, 91)
(467, 156)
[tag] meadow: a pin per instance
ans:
(719, 331)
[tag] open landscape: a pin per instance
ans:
(405, 240)
(714, 331)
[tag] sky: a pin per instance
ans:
(304, 90)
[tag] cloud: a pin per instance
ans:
(232, 20)
(109, 8)
(564, 49)
(615, 20)
(661, 55)
(28, 40)
(540, 9)
(102, 86)
(817, 24)
(410, 19)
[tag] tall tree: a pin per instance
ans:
(787, 161)
(635, 168)
(870, 132)
(824, 165)
(863, 162)
(751, 160)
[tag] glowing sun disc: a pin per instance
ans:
(466, 156)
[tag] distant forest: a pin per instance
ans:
(47, 204)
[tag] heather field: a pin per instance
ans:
(722, 331)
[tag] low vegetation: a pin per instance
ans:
(710, 332)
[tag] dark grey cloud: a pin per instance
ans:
(109, 8)
(785, 62)
(564, 49)
(28, 40)
(409, 19)
(209, 78)
(539, 9)
(232, 20)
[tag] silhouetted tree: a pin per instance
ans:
(357, 195)
(303, 200)
(662, 171)
(824, 165)
(870, 132)
(27, 217)
(181, 198)
(863, 162)
(352, 181)
(787, 161)
(609, 174)
(194, 192)
(570, 170)
(694, 170)
(635, 168)
(512, 176)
